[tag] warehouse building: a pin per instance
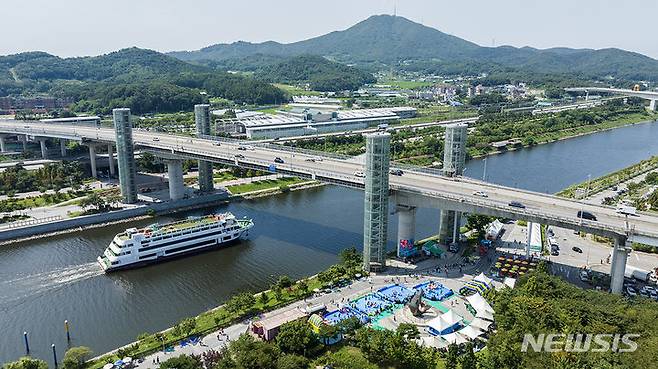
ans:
(310, 121)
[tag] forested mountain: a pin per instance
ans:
(143, 80)
(396, 41)
(321, 74)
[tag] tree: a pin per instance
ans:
(247, 353)
(264, 298)
(349, 326)
(75, 357)
(284, 281)
(351, 258)
(288, 361)
(296, 337)
(408, 331)
(452, 357)
(26, 363)
(182, 362)
(468, 360)
(303, 286)
(478, 223)
(346, 358)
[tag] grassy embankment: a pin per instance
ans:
(280, 183)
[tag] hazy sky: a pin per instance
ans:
(91, 27)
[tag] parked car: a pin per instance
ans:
(586, 215)
(555, 253)
(453, 248)
(217, 143)
(239, 156)
(480, 193)
(278, 160)
(584, 276)
(359, 174)
(396, 172)
(577, 249)
(516, 204)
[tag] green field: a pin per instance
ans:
(264, 185)
(295, 90)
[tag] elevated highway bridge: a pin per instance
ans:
(652, 96)
(417, 187)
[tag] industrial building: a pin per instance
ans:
(311, 121)
(74, 120)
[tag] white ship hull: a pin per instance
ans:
(118, 257)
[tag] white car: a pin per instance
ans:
(631, 291)
(584, 276)
(480, 193)
(359, 174)
(156, 139)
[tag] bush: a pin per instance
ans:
(76, 357)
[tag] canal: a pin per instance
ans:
(43, 282)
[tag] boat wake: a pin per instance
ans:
(23, 288)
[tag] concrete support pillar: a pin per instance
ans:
(652, 105)
(62, 147)
(203, 122)
(23, 139)
(406, 230)
(618, 266)
(446, 227)
(175, 173)
(3, 147)
(44, 149)
(110, 159)
(455, 229)
(206, 182)
(92, 161)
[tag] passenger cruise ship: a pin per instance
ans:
(158, 242)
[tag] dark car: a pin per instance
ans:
(586, 215)
(239, 156)
(396, 172)
(516, 204)
(555, 253)
(278, 160)
(577, 249)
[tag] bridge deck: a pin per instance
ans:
(454, 193)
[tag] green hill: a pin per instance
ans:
(321, 74)
(143, 80)
(396, 41)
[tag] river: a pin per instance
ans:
(43, 282)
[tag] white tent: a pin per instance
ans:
(455, 338)
(480, 323)
(485, 315)
(445, 321)
(509, 282)
(432, 341)
(484, 279)
(470, 332)
(479, 304)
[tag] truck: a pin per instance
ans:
(637, 273)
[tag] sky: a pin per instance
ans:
(92, 27)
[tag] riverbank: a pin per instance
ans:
(588, 130)
(83, 223)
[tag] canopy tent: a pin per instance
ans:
(444, 324)
(480, 323)
(479, 303)
(509, 282)
(433, 341)
(108, 366)
(455, 338)
(470, 332)
(484, 279)
(485, 315)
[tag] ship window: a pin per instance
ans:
(115, 262)
(199, 244)
(226, 238)
(146, 256)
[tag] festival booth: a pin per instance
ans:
(445, 324)
(434, 291)
(471, 332)
(370, 305)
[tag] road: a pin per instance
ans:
(455, 193)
